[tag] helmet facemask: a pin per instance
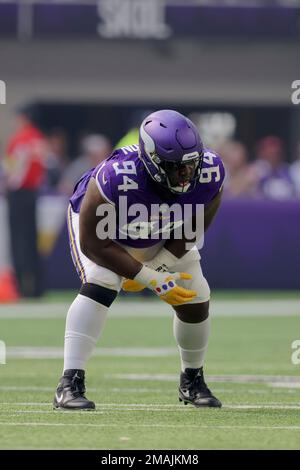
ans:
(177, 177)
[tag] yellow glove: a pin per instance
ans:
(164, 285)
(160, 263)
(129, 285)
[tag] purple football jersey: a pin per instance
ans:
(144, 214)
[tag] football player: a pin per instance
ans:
(170, 165)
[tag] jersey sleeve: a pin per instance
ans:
(104, 176)
(212, 173)
(220, 182)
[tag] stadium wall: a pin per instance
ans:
(178, 71)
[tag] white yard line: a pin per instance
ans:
(263, 406)
(285, 384)
(230, 378)
(51, 352)
(156, 425)
(291, 388)
(149, 308)
(157, 409)
(103, 407)
(270, 380)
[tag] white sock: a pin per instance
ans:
(84, 323)
(192, 341)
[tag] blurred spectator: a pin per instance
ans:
(295, 170)
(241, 178)
(57, 158)
(95, 148)
(216, 127)
(2, 170)
(25, 159)
(275, 181)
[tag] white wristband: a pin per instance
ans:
(164, 259)
(144, 276)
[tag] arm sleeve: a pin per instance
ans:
(217, 176)
(105, 182)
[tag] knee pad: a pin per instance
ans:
(100, 294)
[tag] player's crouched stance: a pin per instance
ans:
(169, 166)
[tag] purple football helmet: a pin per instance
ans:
(171, 150)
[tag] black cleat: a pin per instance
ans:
(193, 389)
(70, 391)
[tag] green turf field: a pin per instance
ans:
(133, 379)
